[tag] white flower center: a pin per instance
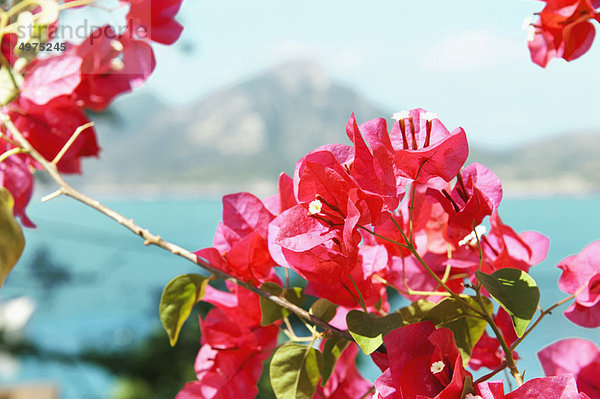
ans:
(436, 367)
(471, 239)
(315, 207)
(400, 115)
(531, 33)
(429, 116)
(471, 396)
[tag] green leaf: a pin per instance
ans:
(323, 309)
(461, 320)
(516, 292)
(295, 295)
(295, 371)
(467, 388)
(414, 312)
(368, 330)
(271, 312)
(332, 350)
(12, 241)
(177, 301)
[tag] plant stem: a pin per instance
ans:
(543, 313)
(151, 239)
(510, 361)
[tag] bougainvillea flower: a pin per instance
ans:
(373, 168)
(310, 247)
(234, 346)
(52, 77)
(575, 356)
(407, 273)
(561, 387)
(16, 178)
(488, 353)
(155, 18)
(563, 30)
(240, 244)
(111, 65)
(230, 360)
(503, 247)
(581, 277)
(371, 259)
(285, 199)
(476, 194)
(319, 175)
(423, 363)
(49, 127)
(345, 381)
(425, 149)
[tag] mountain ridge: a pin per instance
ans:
(242, 136)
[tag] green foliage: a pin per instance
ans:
(177, 301)
(331, 352)
(12, 241)
(271, 312)
(295, 371)
(368, 330)
(323, 309)
(516, 291)
(414, 312)
(464, 323)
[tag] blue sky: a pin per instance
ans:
(465, 60)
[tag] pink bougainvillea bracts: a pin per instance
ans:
(577, 357)
(581, 277)
(563, 30)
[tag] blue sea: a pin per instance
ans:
(113, 295)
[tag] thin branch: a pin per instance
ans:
(489, 375)
(69, 143)
(543, 313)
(156, 240)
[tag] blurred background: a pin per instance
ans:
(248, 89)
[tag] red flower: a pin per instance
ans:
(563, 30)
(562, 387)
(234, 347)
(503, 247)
(16, 178)
(581, 277)
(373, 168)
(155, 19)
(240, 244)
(345, 382)
(423, 363)
(51, 77)
(575, 356)
(371, 259)
(476, 194)
(424, 147)
(49, 127)
(111, 65)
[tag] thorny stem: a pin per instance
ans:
(543, 313)
(156, 240)
(489, 375)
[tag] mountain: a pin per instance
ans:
(241, 137)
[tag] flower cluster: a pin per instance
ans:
(563, 30)
(399, 210)
(46, 97)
